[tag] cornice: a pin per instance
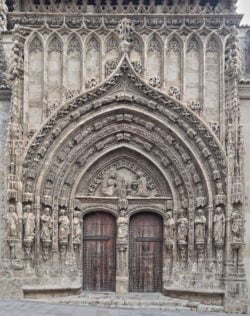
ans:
(152, 21)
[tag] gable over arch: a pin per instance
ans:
(137, 115)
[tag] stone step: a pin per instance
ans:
(136, 301)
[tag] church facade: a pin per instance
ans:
(123, 152)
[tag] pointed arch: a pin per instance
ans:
(93, 49)
(213, 87)
(154, 60)
(35, 84)
(137, 54)
(112, 53)
(111, 42)
(163, 132)
(74, 65)
(194, 69)
(174, 62)
(54, 70)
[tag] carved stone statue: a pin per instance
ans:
(47, 225)
(46, 232)
(169, 227)
(29, 226)
(64, 226)
(109, 185)
(29, 223)
(182, 228)
(219, 226)
(11, 222)
(141, 184)
(237, 226)
(122, 223)
(200, 222)
(77, 229)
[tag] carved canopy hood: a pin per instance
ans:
(127, 114)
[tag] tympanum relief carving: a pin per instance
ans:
(134, 181)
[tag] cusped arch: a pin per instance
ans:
(111, 42)
(74, 36)
(34, 36)
(214, 38)
(54, 39)
(194, 42)
(93, 36)
(174, 37)
(155, 37)
(93, 57)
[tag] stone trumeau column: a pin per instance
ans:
(122, 253)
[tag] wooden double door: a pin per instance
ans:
(145, 252)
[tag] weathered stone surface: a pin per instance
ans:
(122, 114)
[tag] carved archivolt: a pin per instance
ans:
(184, 164)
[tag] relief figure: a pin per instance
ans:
(200, 222)
(11, 219)
(64, 226)
(29, 223)
(182, 229)
(47, 225)
(219, 226)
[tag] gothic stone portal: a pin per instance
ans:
(122, 118)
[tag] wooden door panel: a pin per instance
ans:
(99, 260)
(145, 253)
